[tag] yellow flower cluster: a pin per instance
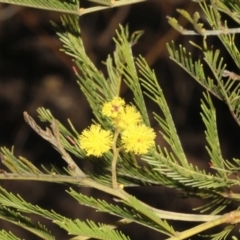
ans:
(122, 115)
(114, 108)
(95, 140)
(136, 137)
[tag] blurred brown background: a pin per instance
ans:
(34, 73)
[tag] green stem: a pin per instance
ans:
(114, 160)
(232, 218)
(121, 194)
(114, 171)
(83, 11)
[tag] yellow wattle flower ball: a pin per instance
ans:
(138, 139)
(95, 140)
(129, 117)
(113, 108)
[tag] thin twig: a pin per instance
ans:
(230, 218)
(54, 138)
(86, 182)
(114, 160)
(231, 75)
(211, 32)
(83, 11)
(113, 170)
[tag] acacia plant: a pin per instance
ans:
(121, 135)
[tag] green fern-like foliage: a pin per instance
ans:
(67, 6)
(163, 166)
(70, 6)
(24, 222)
(222, 83)
(8, 235)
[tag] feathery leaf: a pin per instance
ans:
(65, 6)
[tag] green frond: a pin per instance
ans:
(92, 82)
(230, 46)
(194, 20)
(226, 90)
(234, 7)
(190, 177)
(216, 204)
(174, 24)
(101, 205)
(112, 226)
(71, 144)
(25, 223)
(52, 170)
(21, 169)
(8, 236)
(228, 40)
(142, 175)
(198, 26)
(114, 75)
(136, 204)
(233, 167)
(154, 92)
(91, 229)
(114, 64)
(66, 6)
(135, 212)
(72, 227)
(68, 139)
(185, 14)
(16, 165)
(16, 202)
(71, 6)
(76, 133)
(221, 235)
(230, 8)
(193, 68)
(209, 118)
(124, 44)
(215, 63)
(45, 115)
